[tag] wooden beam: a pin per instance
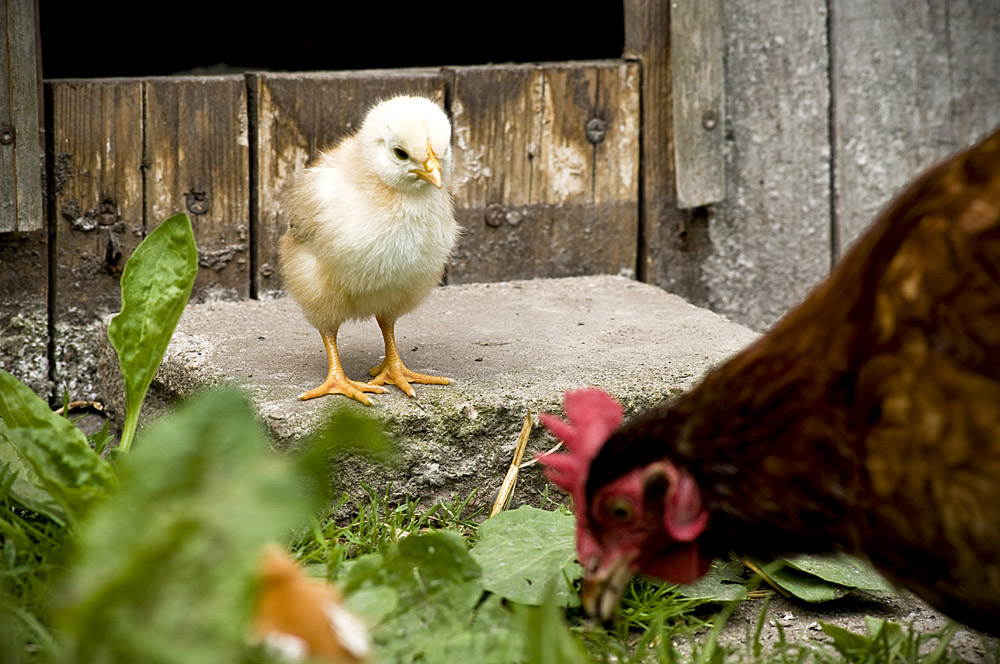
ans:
(671, 243)
(20, 137)
(547, 170)
(197, 158)
(912, 84)
(96, 128)
(698, 91)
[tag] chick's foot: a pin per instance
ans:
(343, 385)
(396, 373)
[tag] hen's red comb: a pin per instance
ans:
(592, 415)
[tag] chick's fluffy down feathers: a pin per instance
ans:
(367, 236)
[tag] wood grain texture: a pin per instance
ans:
(198, 162)
(912, 84)
(21, 151)
(547, 170)
(756, 253)
(673, 242)
(97, 213)
(698, 78)
(297, 116)
(770, 239)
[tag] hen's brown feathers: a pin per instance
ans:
(868, 419)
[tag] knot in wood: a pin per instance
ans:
(7, 135)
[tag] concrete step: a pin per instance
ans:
(509, 347)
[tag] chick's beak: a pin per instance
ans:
(603, 584)
(431, 171)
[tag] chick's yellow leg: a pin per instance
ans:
(392, 369)
(336, 382)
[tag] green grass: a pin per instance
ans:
(655, 623)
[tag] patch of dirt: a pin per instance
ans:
(800, 623)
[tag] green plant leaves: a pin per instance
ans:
(887, 642)
(841, 569)
(58, 474)
(723, 583)
(525, 551)
(433, 585)
(430, 600)
(165, 570)
(821, 578)
(156, 285)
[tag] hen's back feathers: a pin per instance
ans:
(867, 419)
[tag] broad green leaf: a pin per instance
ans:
(438, 589)
(723, 583)
(546, 638)
(166, 569)
(156, 285)
(525, 550)
(61, 474)
(841, 569)
(805, 586)
(26, 488)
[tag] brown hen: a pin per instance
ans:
(867, 420)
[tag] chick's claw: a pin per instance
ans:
(345, 386)
(397, 374)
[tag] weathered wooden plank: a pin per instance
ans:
(673, 241)
(547, 169)
(8, 169)
(96, 157)
(756, 253)
(298, 115)
(698, 78)
(197, 158)
(20, 139)
(770, 238)
(96, 216)
(912, 84)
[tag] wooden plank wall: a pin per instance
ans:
(549, 171)
(566, 168)
(832, 106)
(936, 70)
(24, 287)
(20, 139)
(556, 193)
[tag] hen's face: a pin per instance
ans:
(646, 521)
(407, 142)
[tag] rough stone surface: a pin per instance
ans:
(800, 624)
(508, 346)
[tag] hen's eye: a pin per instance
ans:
(620, 510)
(401, 154)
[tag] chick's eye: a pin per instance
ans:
(619, 510)
(401, 154)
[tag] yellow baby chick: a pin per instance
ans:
(371, 225)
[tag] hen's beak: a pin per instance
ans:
(603, 584)
(432, 168)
